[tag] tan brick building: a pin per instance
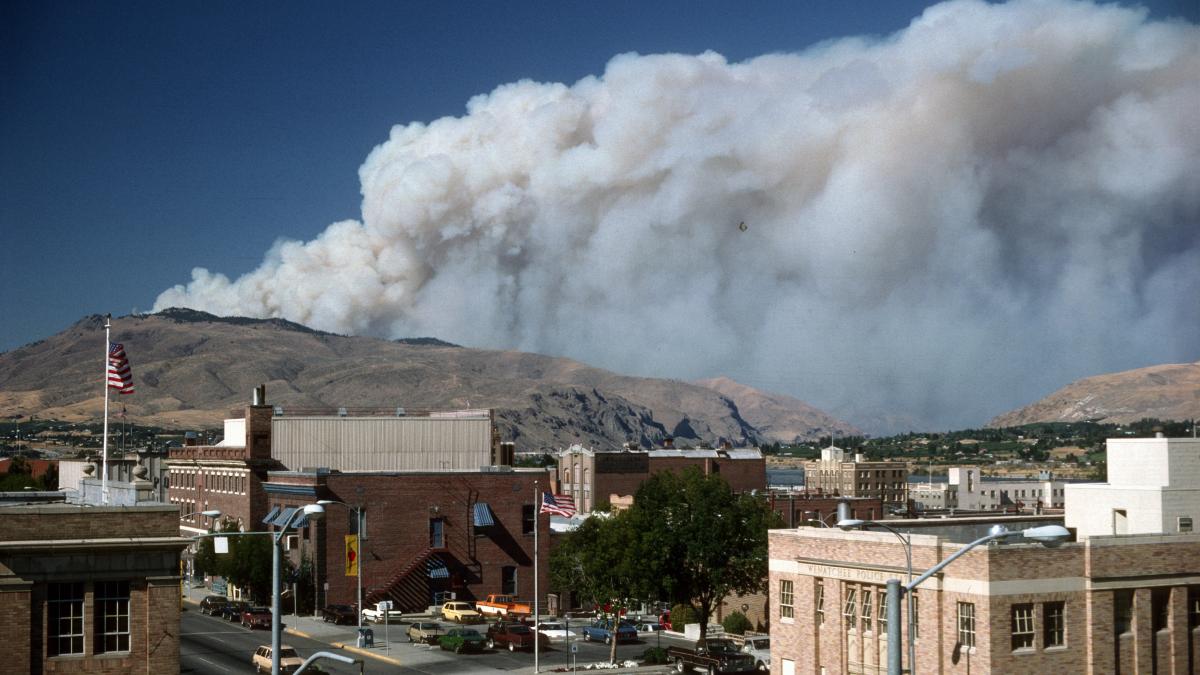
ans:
(90, 589)
(1107, 603)
(853, 476)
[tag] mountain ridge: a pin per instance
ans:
(192, 369)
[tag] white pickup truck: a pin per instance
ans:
(382, 612)
(759, 646)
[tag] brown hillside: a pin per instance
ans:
(1168, 392)
(191, 369)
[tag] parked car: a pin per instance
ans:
(426, 632)
(711, 655)
(648, 627)
(462, 612)
(759, 646)
(377, 615)
(232, 611)
(461, 640)
(257, 617)
(601, 630)
(555, 631)
(339, 614)
(514, 636)
(213, 604)
(289, 660)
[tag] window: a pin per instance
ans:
(64, 618)
(1022, 626)
(1193, 603)
(112, 616)
(867, 610)
(528, 518)
(819, 601)
(1184, 523)
(508, 580)
(1122, 611)
(966, 624)
(437, 536)
(1160, 608)
(1054, 626)
(786, 599)
(850, 610)
(883, 604)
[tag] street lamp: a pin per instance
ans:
(358, 561)
(314, 511)
(1049, 536)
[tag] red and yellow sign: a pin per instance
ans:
(352, 555)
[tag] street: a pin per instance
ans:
(210, 645)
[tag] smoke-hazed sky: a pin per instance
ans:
(941, 223)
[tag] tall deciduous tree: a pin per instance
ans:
(698, 542)
(687, 538)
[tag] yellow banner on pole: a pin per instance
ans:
(352, 555)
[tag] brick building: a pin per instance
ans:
(594, 477)
(1123, 598)
(90, 590)
(229, 476)
(799, 507)
(844, 476)
(427, 534)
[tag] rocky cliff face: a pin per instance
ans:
(193, 369)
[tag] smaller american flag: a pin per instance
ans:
(120, 377)
(559, 505)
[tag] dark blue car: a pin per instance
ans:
(601, 631)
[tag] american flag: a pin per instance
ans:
(559, 505)
(119, 375)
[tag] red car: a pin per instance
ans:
(257, 617)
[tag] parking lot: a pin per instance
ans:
(393, 652)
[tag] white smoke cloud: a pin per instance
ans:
(944, 224)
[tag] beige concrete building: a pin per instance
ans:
(852, 476)
(1123, 598)
(967, 489)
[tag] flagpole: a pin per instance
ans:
(104, 451)
(537, 521)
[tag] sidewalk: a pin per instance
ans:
(395, 637)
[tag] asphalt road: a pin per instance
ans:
(210, 645)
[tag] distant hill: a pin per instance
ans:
(1163, 392)
(779, 417)
(193, 369)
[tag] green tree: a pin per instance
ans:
(696, 541)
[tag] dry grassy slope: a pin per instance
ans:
(1165, 392)
(192, 369)
(779, 417)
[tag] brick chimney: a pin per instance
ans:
(258, 425)
(668, 442)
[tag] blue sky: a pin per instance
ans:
(142, 140)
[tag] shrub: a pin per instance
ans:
(654, 655)
(682, 615)
(736, 623)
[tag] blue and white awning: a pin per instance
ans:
(483, 515)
